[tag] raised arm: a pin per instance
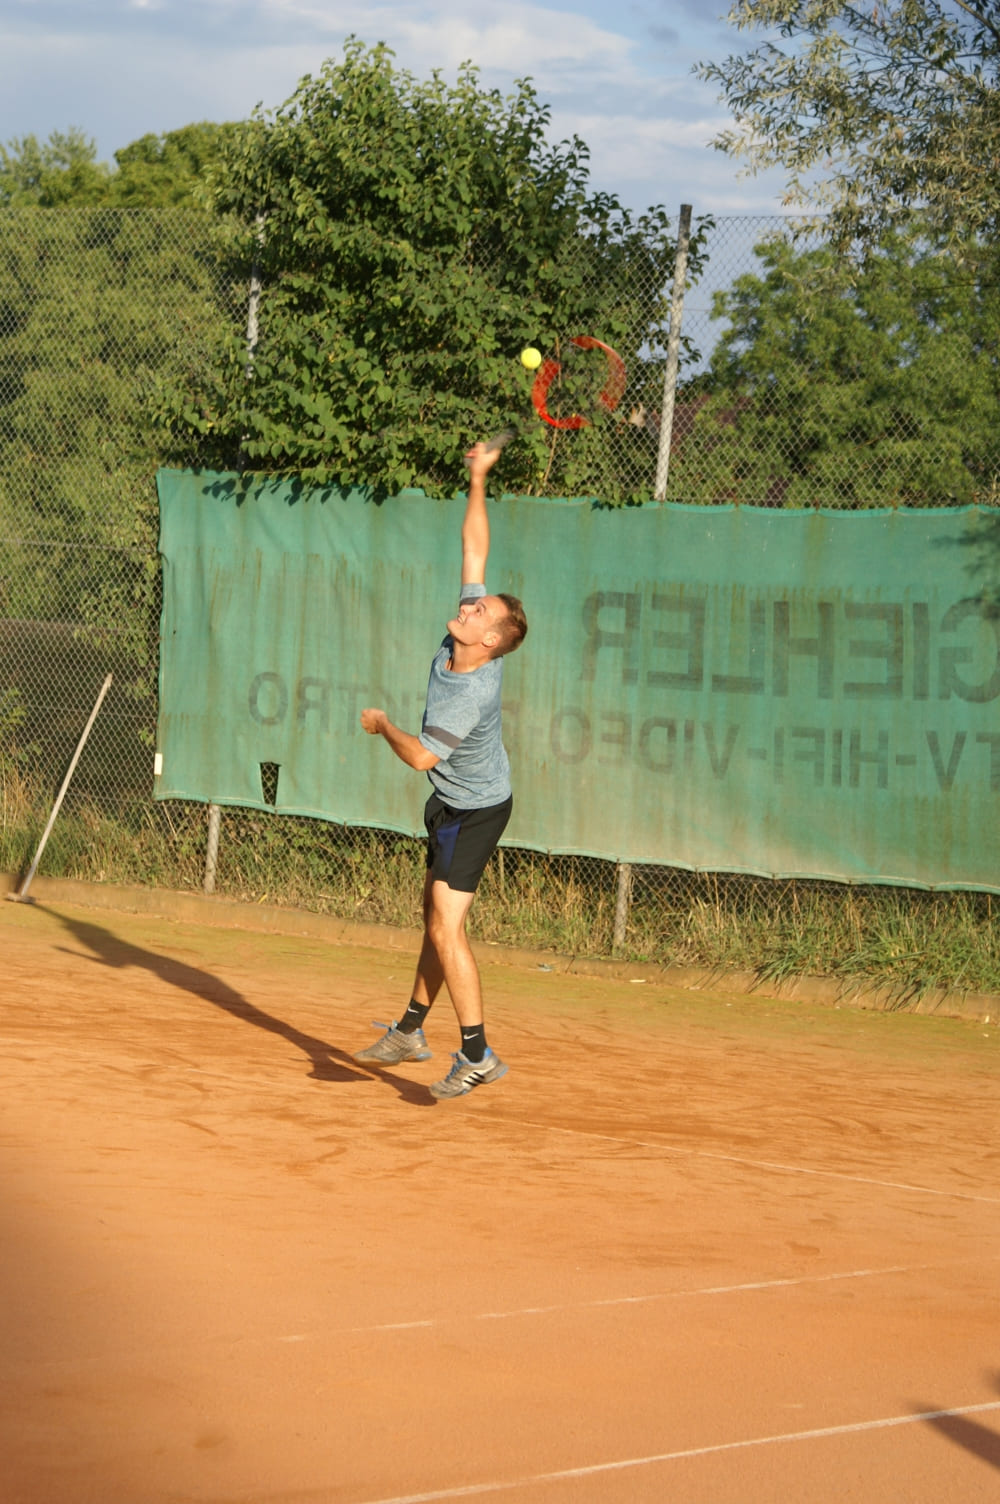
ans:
(476, 524)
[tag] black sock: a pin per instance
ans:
(413, 1018)
(474, 1043)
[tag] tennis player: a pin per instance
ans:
(460, 748)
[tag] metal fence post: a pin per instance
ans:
(673, 354)
(212, 848)
(623, 901)
(253, 318)
(253, 333)
(253, 307)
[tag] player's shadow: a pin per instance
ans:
(982, 1441)
(328, 1063)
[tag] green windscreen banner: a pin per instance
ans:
(727, 689)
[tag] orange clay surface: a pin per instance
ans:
(696, 1248)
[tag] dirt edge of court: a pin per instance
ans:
(226, 913)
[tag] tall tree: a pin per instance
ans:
(98, 307)
(173, 168)
(47, 174)
(848, 387)
(879, 112)
(409, 239)
(151, 173)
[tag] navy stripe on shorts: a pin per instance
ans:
(461, 841)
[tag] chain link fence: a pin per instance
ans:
(776, 380)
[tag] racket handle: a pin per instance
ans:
(499, 441)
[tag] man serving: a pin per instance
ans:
(460, 748)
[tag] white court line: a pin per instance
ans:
(323, 1334)
(470, 1490)
(766, 1164)
(638, 1300)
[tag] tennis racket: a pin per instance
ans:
(579, 382)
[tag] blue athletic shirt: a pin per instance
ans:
(462, 727)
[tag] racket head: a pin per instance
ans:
(571, 393)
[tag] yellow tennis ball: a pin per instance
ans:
(531, 358)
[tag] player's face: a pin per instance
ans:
(476, 619)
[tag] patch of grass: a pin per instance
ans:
(546, 902)
(20, 827)
(350, 872)
(907, 941)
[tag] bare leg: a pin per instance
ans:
(430, 977)
(445, 936)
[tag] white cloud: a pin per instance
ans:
(121, 68)
(520, 40)
(667, 155)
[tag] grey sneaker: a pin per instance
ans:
(465, 1074)
(395, 1047)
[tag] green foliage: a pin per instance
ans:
(878, 113)
(97, 308)
(175, 168)
(153, 172)
(849, 387)
(14, 755)
(61, 170)
(410, 238)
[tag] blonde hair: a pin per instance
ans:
(513, 628)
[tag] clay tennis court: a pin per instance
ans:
(694, 1247)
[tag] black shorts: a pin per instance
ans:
(461, 841)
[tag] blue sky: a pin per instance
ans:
(619, 75)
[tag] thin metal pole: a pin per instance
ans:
(212, 849)
(253, 307)
(23, 891)
(623, 900)
(253, 334)
(673, 354)
(253, 322)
